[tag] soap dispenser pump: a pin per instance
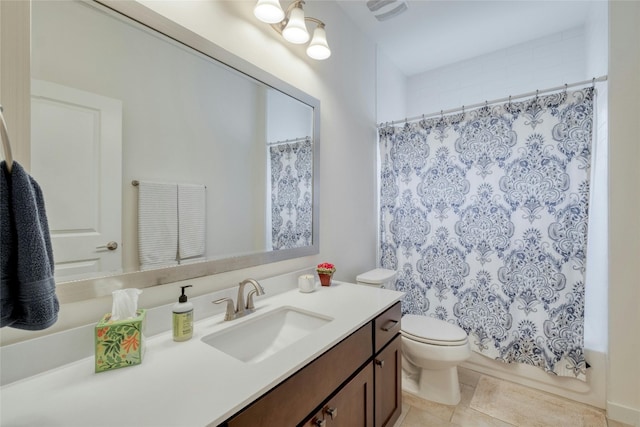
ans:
(182, 318)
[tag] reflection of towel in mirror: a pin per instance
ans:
(27, 286)
(157, 224)
(191, 220)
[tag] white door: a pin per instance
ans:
(76, 157)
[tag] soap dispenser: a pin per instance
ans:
(182, 318)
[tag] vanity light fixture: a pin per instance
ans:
(291, 24)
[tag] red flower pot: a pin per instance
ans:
(325, 279)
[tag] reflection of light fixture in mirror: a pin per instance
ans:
(292, 27)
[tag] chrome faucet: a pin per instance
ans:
(241, 309)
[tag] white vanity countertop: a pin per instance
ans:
(187, 383)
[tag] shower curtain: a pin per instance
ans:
(483, 215)
(291, 198)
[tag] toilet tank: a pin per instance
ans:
(379, 278)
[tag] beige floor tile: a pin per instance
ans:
(420, 418)
(403, 414)
(523, 406)
(466, 394)
(468, 377)
(612, 423)
(443, 412)
(467, 417)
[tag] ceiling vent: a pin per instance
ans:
(386, 9)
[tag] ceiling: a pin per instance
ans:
(434, 33)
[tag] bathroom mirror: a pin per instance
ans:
(117, 103)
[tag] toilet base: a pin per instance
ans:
(440, 386)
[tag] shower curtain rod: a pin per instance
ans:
(284, 141)
(495, 101)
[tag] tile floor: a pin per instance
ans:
(485, 395)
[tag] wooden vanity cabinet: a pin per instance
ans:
(354, 384)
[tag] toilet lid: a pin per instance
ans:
(379, 276)
(432, 331)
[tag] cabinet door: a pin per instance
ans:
(352, 406)
(388, 378)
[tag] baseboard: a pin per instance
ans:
(591, 392)
(623, 414)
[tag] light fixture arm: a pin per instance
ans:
(280, 25)
(318, 48)
(317, 21)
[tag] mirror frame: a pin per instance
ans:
(80, 290)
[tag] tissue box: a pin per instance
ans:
(119, 343)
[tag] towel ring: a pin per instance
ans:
(6, 144)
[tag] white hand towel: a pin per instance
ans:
(157, 224)
(191, 220)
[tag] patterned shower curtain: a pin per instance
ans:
(483, 215)
(291, 194)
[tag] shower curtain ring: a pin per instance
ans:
(593, 83)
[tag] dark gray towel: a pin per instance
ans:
(27, 288)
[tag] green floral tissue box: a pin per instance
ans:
(119, 343)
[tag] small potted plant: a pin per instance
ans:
(325, 272)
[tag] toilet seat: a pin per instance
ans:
(432, 331)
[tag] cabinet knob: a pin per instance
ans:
(380, 363)
(319, 423)
(332, 412)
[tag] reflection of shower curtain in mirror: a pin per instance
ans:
(291, 173)
(484, 216)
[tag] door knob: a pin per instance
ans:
(380, 363)
(319, 423)
(112, 246)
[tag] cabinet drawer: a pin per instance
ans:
(295, 398)
(386, 326)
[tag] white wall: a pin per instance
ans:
(391, 90)
(624, 212)
(539, 64)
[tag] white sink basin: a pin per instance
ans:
(265, 334)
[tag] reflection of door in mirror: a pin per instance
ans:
(76, 150)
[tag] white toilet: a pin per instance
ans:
(432, 349)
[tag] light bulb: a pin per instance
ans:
(319, 48)
(296, 31)
(269, 11)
